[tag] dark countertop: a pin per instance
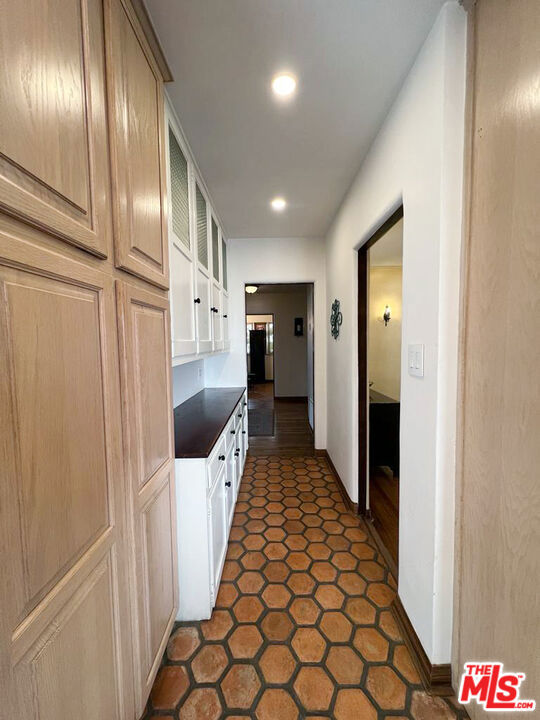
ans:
(199, 421)
(379, 398)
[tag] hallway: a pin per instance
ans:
(291, 434)
(302, 625)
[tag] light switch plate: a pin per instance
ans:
(416, 360)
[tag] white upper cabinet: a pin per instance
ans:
(182, 276)
(198, 257)
(204, 289)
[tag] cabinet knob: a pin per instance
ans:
(227, 484)
(239, 414)
(225, 316)
(237, 453)
(197, 300)
(243, 432)
(214, 309)
(221, 457)
(233, 432)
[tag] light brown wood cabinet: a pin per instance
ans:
(137, 149)
(146, 386)
(53, 141)
(87, 529)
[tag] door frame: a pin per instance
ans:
(274, 326)
(363, 404)
(278, 282)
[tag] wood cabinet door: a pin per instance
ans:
(54, 167)
(148, 448)
(137, 148)
(64, 642)
(498, 529)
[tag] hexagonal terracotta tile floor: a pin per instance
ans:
(302, 626)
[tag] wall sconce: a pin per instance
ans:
(251, 289)
(386, 315)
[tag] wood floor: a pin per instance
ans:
(292, 434)
(384, 504)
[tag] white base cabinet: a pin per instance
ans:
(206, 492)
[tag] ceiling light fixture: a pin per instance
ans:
(284, 85)
(251, 289)
(278, 204)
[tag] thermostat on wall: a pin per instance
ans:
(416, 360)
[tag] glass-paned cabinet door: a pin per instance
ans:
(182, 280)
(179, 192)
(215, 250)
(224, 262)
(202, 227)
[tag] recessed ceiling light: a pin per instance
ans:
(278, 204)
(251, 289)
(284, 85)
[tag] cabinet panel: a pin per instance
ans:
(136, 110)
(182, 279)
(216, 318)
(53, 145)
(225, 324)
(183, 307)
(156, 533)
(147, 423)
(204, 316)
(218, 530)
(230, 488)
(61, 495)
(79, 649)
(151, 388)
(58, 326)
(225, 279)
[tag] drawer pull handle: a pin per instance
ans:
(227, 484)
(221, 457)
(197, 300)
(243, 432)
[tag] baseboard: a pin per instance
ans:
(437, 679)
(291, 398)
(353, 507)
(380, 545)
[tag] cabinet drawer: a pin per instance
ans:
(216, 461)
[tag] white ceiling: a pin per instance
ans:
(350, 58)
(388, 250)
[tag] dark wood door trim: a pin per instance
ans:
(363, 404)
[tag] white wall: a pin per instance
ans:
(274, 260)
(290, 351)
(187, 379)
(416, 159)
(384, 341)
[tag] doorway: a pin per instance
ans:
(380, 271)
(280, 366)
(260, 369)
